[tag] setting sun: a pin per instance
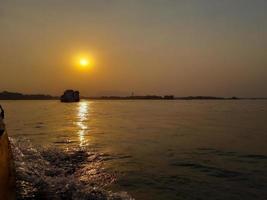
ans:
(84, 62)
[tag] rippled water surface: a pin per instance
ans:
(149, 149)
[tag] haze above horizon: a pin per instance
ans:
(199, 47)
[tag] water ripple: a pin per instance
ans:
(50, 173)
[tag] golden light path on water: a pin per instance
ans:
(82, 115)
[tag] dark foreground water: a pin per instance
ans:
(141, 149)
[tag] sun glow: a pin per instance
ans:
(83, 61)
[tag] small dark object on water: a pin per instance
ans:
(70, 96)
(2, 112)
(2, 116)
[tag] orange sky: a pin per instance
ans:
(204, 47)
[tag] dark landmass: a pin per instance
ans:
(18, 96)
(206, 98)
(150, 97)
(168, 97)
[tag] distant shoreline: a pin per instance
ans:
(19, 96)
(174, 99)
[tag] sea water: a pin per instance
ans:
(144, 149)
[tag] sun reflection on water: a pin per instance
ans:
(82, 115)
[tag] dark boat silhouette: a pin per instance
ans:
(70, 96)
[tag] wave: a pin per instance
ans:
(53, 173)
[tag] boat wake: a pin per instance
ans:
(51, 173)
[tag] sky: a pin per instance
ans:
(179, 47)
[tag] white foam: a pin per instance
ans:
(51, 173)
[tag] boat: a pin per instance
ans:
(7, 178)
(70, 96)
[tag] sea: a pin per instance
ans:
(139, 149)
